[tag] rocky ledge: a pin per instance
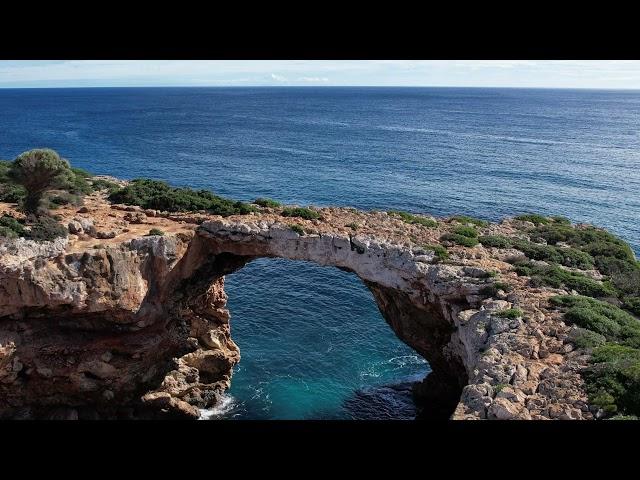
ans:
(137, 327)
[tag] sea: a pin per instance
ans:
(312, 341)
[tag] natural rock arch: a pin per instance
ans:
(96, 331)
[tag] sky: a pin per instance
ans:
(608, 74)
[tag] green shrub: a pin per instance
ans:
(584, 338)
(38, 171)
(465, 231)
(632, 304)
(613, 381)
(353, 226)
(7, 233)
(44, 228)
(159, 195)
(623, 417)
(464, 219)
(569, 257)
(12, 224)
(301, 212)
(556, 277)
(297, 228)
(459, 239)
(614, 323)
(505, 287)
(155, 231)
(99, 184)
(595, 241)
(77, 182)
(439, 251)
(496, 241)
(561, 220)
(11, 193)
(499, 387)
(413, 219)
(267, 202)
(509, 313)
(534, 218)
(63, 198)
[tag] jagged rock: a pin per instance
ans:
(135, 217)
(142, 325)
(75, 227)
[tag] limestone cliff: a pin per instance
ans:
(137, 327)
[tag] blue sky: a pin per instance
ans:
(465, 73)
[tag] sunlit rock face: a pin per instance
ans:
(140, 328)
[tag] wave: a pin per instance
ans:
(225, 406)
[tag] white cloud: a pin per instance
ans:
(482, 73)
(313, 79)
(278, 78)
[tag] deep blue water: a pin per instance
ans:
(313, 343)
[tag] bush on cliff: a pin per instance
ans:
(613, 380)
(466, 220)
(62, 198)
(556, 277)
(458, 239)
(267, 202)
(155, 231)
(569, 257)
(44, 228)
(510, 313)
(466, 231)
(534, 218)
(413, 219)
(300, 212)
(495, 241)
(14, 225)
(99, 184)
(613, 323)
(159, 195)
(439, 252)
(299, 229)
(39, 171)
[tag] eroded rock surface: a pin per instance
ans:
(138, 327)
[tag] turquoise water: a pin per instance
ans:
(314, 337)
(313, 343)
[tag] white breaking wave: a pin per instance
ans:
(224, 406)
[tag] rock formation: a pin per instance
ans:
(137, 327)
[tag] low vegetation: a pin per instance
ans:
(556, 277)
(466, 220)
(299, 229)
(100, 184)
(300, 212)
(462, 235)
(413, 219)
(613, 335)
(267, 202)
(534, 218)
(155, 231)
(439, 251)
(158, 195)
(510, 313)
(459, 239)
(353, 226)
(44, 228)
(11, 227)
